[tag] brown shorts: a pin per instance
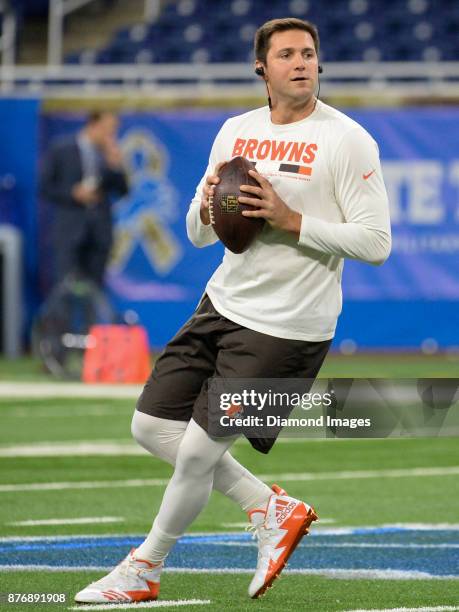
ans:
(211, 345)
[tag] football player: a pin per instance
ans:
(269, 312)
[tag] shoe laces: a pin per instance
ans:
(127, 569)
(113, 578)
(262, 534)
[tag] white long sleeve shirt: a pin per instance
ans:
(327, 168)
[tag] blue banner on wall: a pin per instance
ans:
(412, 300)
(156, 272)
(19, 121)
(419, 150)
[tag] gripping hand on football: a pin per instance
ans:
(270, 206)
(207, 191)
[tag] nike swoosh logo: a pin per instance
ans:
(367, 176)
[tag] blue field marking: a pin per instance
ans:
(435, 553)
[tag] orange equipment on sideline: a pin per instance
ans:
(116, 354)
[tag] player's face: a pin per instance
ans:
(292, 65)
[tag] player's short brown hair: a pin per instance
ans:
(264, 33)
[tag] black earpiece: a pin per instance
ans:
(320, 69)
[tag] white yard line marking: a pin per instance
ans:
(323, 521)
(41, 390)
(83, 448)
(99, 484)
(333, 531)
(326, 531)
(145, 604)
(429, 609)
(85, 536)
(425, 526)
(356, 474)
(89, 520)
(59, 413)
(102, 447)
(321, 545)
(289, 477)
(405, 393)
(345, 574)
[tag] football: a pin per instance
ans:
(234, 230)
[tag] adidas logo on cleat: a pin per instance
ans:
(283, 512)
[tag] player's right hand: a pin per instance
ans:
(208, 190)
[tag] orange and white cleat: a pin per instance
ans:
(278, 528)
(133, 580)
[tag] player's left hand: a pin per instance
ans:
(271, 206)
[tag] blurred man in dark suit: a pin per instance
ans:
(79, 175)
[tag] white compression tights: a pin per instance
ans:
(201, 463)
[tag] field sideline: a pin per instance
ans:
(360, 365)
(76, 493)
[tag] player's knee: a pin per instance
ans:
(145, 432)
(140, 429)
(193, 462)
(160, 437)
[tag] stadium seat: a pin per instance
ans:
(355, 30)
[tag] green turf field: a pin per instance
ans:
(375, 500)
(290, 593)
(72, 458)
(361, 365)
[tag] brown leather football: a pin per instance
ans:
(234, 230)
